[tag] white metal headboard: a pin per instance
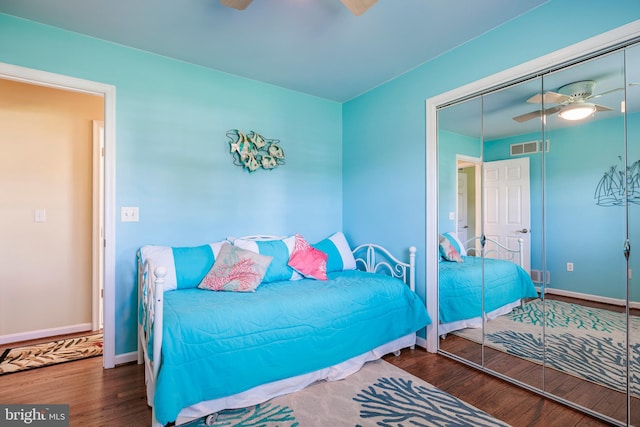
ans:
(257, 237)
(396, 268)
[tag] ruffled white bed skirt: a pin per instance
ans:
(476, 322)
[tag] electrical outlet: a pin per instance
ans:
(129, 214)
(40, 215)
(452, 216)
(569, 266)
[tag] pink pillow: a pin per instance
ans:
(448, 251)
(236, 269)
(307, 260)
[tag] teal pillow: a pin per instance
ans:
(192, 264)
(339, 255)
(186, 266)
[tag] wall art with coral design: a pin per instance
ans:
(253, 151)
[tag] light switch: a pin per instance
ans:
(452, 216)
(129, 214)
(40, 215)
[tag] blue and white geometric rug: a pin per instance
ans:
(379, 395)
(585, 342)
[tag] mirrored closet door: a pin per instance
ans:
(512, 206)
(538, 204)
(585, 231)
(632, 85)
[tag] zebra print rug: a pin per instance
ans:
(50, 353)
(380, 394)
(585, 342)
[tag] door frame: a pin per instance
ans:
(108, 92)
(97, 235)
(594, 44)
(464, 161)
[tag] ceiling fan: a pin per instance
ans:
(357, 7)
(573, 102)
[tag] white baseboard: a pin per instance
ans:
(124, 358)
(421, 342)
(590, 297)
(44, 333)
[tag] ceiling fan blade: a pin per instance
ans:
(535, 114)
(236, 4)
(526, 117)
(358, 7)
(602, 108)
(549, 98)
(604, 93)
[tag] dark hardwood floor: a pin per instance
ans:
(116, 397)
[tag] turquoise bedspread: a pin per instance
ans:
(217, 344)
(460, 287)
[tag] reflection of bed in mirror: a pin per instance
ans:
(506, 284)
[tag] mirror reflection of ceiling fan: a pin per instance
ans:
(573, 102)
(357, 7)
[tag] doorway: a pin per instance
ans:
(50, 207)
(468, 212)
(107, 92)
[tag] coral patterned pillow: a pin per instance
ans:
(236, 269)
(448, 251)
(307, 260)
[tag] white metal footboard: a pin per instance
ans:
(150, 299)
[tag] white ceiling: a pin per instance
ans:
(312, 46)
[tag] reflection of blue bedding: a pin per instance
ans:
(460, 286)
(217, 344)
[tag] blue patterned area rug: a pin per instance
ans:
(379, 395)
(585, 342)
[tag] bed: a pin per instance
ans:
(506, 283)
(208, 351)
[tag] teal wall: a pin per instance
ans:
(384, 130)
(173, 157)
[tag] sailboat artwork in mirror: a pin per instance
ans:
(537, 210)
(619, 186)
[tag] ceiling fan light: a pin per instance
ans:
(577, 111)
